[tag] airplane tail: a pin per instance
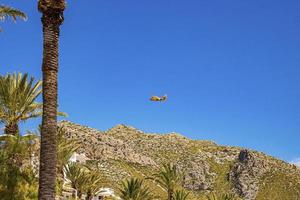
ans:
(164, 98)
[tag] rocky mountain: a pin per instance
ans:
(124, 151)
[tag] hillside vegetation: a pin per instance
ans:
(123, 152)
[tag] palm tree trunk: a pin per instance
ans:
(89, 195)
(51, 20)
(12, 129)
(12, 182)
(170, 195)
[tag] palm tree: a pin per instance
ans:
(77, 176)
(6, 11)
(181, 195)
(15, 168)
(93, 184)
(168, 178)
(221, 197)
(52, 17)
(18, 94)
(83, 179)
(134, 189)
(65, 149)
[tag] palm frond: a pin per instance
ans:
(18, 95)
(134, 189)
(214, 196)
(181, 195)
(65, 148)
(168, 177)
(6, 11)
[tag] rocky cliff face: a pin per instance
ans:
(124, 151)
(246, 173)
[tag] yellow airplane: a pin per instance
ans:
(160, 99)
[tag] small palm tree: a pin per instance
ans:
(84, 179)
(168, 178)
(134, 189)
(18, 95)
(181, 195)
(18, 149)
(93, 184)
(221, 197)
(77, 176)
(15, 170)
(65, 149)
(6, 11)
(28, 186)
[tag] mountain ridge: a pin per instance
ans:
(123, 151)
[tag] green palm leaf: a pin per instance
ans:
(169, 178)
(221, 197)
(181, 195)
(6, 11)
(18, 95)
(15, 166)
(134, 189)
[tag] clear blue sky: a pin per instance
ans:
(230, 68)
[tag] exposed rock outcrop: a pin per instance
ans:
(246, 174)
(102, 146)
(198, 175)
